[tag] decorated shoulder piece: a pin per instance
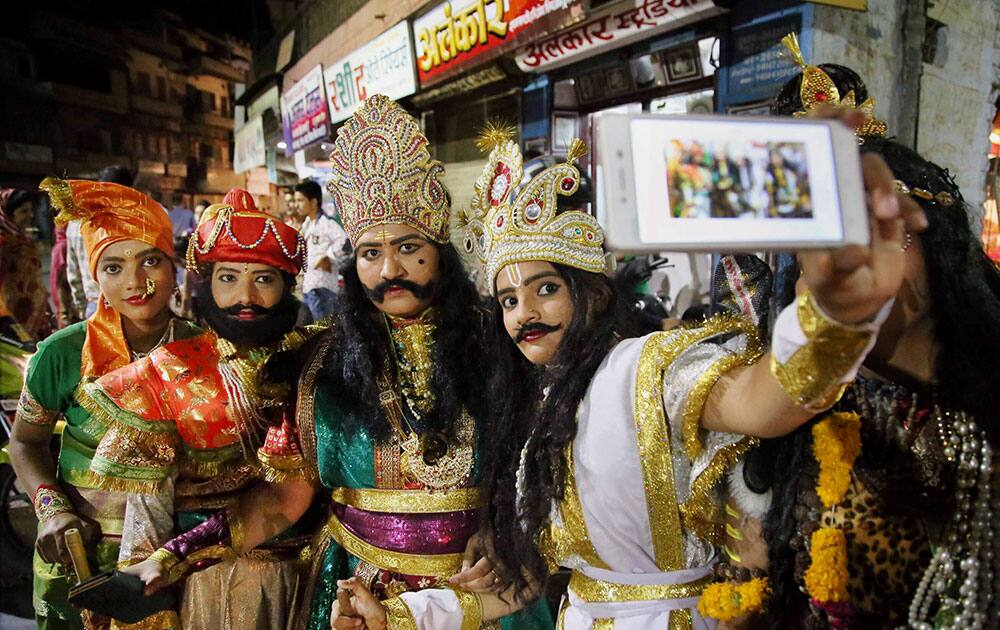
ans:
(819, 89)
(507, 224)
(235, 231)
(384, 174)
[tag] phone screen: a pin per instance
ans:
(734, 180)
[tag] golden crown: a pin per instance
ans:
(504, 228)
(383, 173)
(818, 88)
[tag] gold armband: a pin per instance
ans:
(815, 374)
(398, 615)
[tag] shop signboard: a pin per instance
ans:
(454, 33)
(250, 149)
(303, 112)
(616, 26)
(758, 66)
(382, 66)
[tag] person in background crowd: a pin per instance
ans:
(22, 295)
(83, 288)
(290, 213)
(199, 209)
(181, 218)
(128, 240)
(58, 283)
(327, 244)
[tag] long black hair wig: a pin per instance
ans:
(521, 411)
(362, 344)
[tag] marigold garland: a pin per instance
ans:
(727, 600)
(826, 577)
(836, 444)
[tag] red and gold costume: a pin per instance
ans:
(184, 425)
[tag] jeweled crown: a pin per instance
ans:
(383, 173)
(818, 88)
(504, 225)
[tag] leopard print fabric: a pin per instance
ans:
(884, 553)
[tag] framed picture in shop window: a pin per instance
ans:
(565, 127)
(590, 87)
(683, 63)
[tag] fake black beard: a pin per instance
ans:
(269, 328)
(419, 291)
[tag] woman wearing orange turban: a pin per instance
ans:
(129, 244)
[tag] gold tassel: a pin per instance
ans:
(61, 196)
(791, 43)
(495, 133)
(577, 149)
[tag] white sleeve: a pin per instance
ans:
(149, 523)
(434, 608)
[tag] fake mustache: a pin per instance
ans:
(533, 327)
(236, 309)
(419, 291)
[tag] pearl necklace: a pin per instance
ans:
(969, 542)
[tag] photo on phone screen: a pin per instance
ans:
(701, 183)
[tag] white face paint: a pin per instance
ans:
(514, 274)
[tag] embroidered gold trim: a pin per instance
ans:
(305, 407)
(215, 552)
(409, 501)
(681, 619)
(32, 412)
(438, 565)
(398, 615)
(703, 386)
(472, 609)
(701, 514)
(603, 623)
(558, 543)
(594, 591)
(811, 375)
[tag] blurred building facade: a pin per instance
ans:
(155, 96)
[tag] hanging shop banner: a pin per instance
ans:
(382, 66)
(249, 148)
(303, 112)
(455, 33)
(617, 26)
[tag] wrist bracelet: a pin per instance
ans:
(166, 559)
(813, 357)
(398, 615)
(472, 609)
(49, 501)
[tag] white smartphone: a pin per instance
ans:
(727, 183)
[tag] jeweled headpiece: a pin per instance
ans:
(235, 231)
(383, 173)
(818, 88)
(502, 227)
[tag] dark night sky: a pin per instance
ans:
(247, 20)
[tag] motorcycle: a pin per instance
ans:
(18, 524)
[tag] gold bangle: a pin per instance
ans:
(166, 559)
(472, 609)
(398, 615)
(812, 375)
(49, 502)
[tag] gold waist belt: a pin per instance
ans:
(440, 565)
(594, 591)
(408, 501)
